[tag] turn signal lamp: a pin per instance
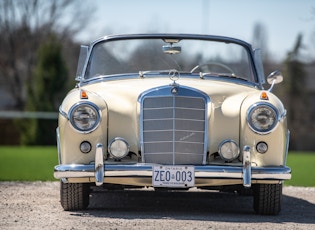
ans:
(264, 96)
(83, 95)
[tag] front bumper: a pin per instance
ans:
(141, 173)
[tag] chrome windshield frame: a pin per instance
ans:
(247, 47)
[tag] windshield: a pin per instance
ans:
(151, 54)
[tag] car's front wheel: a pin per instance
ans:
(267, 198)
(74, 196)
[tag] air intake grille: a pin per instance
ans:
(173, 129)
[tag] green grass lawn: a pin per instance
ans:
(37, 163)
(27, 163)
(303, 169)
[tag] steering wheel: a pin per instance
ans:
(206, 68)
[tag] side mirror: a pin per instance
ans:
(274, 78)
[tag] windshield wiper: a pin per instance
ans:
(158, 72)
(212, 74)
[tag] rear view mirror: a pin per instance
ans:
(170, 49)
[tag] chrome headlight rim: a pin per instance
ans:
(271, 108)
(91, 105)
(222, 154)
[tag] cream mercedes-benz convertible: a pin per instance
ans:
(172, 111)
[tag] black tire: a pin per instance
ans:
(267, 198)
(74, 196)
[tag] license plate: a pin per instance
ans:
(173, 176)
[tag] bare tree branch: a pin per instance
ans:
(24, 24)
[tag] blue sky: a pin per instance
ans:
(282, 19)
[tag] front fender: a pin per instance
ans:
(277, 139)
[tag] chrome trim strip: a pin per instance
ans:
(145, 170)
(58, 145)
(63, 113)
(283, 115)
(104, 78)
(287, 148)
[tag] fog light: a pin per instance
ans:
(85, 147)
(118, 148)
(262, 147)
(229, 150)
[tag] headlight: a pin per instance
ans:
(118, 148)
(229, 150)
(84, 117)
(262, 118)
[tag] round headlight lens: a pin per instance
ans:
(118, 148)
(262, 118)
(84, 117)
(229, 150)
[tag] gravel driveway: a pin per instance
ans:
(28, 205)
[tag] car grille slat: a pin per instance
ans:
(173, 128)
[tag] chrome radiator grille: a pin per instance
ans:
(174, 128)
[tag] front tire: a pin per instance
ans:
(74, 196)
(267, 198)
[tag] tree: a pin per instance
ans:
(260, 40)
(24, 25)
(296, 97)
(47, 90)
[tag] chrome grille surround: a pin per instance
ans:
(173, 125)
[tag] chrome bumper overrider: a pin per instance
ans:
(100, 171)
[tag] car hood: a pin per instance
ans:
(124, 94)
